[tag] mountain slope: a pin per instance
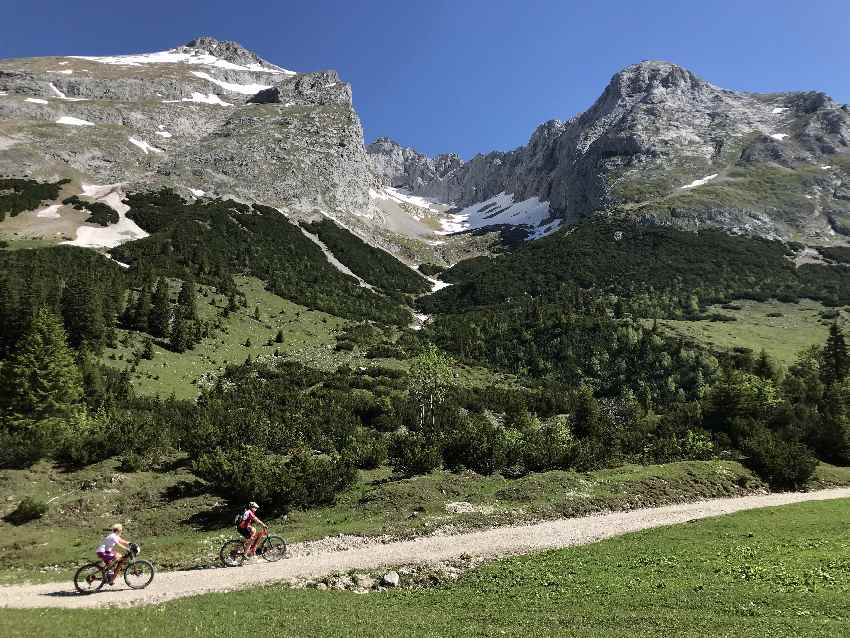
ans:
(668, 147)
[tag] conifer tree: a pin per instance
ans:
(160, 315)
(142, 309)
(179, 334)
(187, 301)
(41, 378)
(836, 361)
(82, 313)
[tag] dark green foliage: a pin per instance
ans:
(80, 285)
(212, 240)
(29, 509)
(836, 360)
(840, 254)
(301, 479)
(374, 265)
(18, 195)
(431, 270)
(278, 338)
(657, 268)
(413, 453)
(159, 318)
(367, 449)
(41, 379)
(784, 464)
(187, 301)
(101, 214)
(180, 341)
(147, 350)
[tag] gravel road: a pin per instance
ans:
(500, 541)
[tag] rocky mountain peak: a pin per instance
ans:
(227, 50)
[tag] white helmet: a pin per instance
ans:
(252, 505)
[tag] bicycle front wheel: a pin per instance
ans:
(273, 549)
(232, 553)
(139, 574)
(90, 578)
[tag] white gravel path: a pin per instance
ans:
(494, 542)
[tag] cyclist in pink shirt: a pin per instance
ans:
(244, 525)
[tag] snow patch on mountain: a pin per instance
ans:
(51, 212)
(244, 89)
(181, 55)
(164, 134)
(779, 136)
(778, 110)
(35, 100)
(500, 210)
(142, 144)
(699, 182)
(109, 236)
(210, 98)
(403, 196)
(73, 121)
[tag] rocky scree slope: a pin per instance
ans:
(208, 118)
(665, 146)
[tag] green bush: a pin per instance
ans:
(481, 445)
(410, 454)
(28, 510)
(785, 465)
(548, 446)
(301, 479)
(368, 449)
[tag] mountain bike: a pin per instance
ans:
(138, 574)
(269, 547)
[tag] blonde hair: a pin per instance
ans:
(118, 527)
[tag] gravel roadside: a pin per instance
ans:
(501, 541)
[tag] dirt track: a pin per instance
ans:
(494, 542)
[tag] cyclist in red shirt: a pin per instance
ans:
(246, 529)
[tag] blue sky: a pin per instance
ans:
(469, 76)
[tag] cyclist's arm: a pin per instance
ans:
(261, 522)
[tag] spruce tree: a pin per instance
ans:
(142, 309)
(257, 313)
(160, 315)
(41, 378)
(187, 301)
(179, 336)
(835, 365)
(279, 337)
(82, 313)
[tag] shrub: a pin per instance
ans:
(548, 446)
(481, 445)
(251, 473)
(783, 464)
(367, 450)
(28, 510)
(410, 454)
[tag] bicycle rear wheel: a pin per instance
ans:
(232, 553)
(89, 578)
(139, 574)
(273, 548)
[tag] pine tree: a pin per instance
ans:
(41, 378)
(187, 301)
(82, 314)
(279, 337)
(836, 361)
(142, 309)
(257, 313)
(147, 349)
(160, 315)
(179, 336)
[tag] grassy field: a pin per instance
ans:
(781, 329)
(182, 525)
(309, 336)
(778, 572)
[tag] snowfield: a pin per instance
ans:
(180, 55)
(73, 121)
(147, 148)
(164, 134)
(36, 100)
(699, 182)
(210, 98)
(244, 89)
(402, 196)
(779, 136)
(114, 234)
(197, 192)
(499, 210)
(51, 212)
(778, 110)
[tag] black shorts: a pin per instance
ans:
(245, 532)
